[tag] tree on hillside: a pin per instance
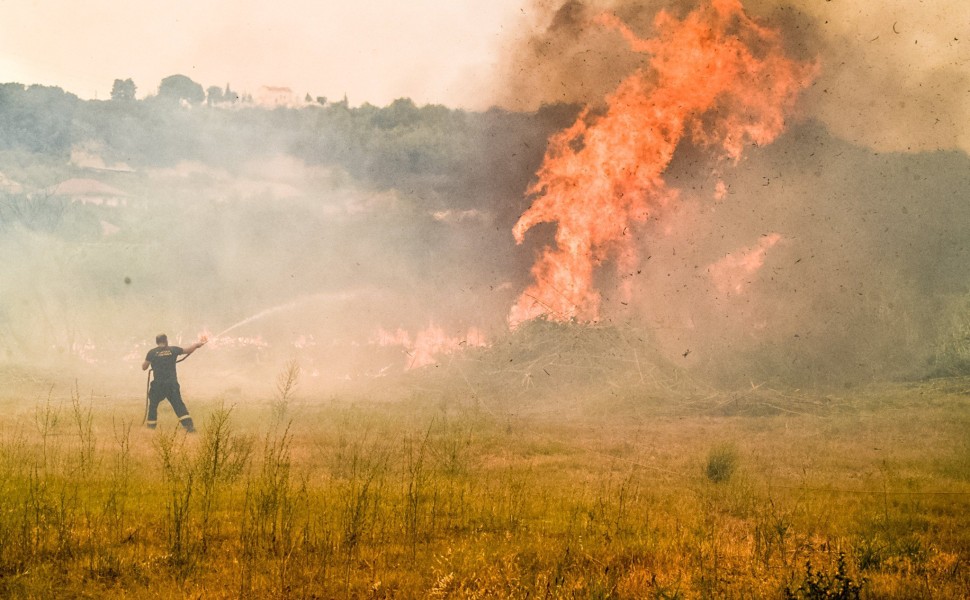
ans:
(36, 118)
(214, 95)
(180, 87)
(229, 95)
(400, 113)
(123, 90)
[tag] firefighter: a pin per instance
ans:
(165, 384)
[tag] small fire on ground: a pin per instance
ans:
(733, 273)
(426, 346)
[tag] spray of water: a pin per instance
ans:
(257, 316)
(284, 307)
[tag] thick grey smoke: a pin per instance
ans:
(894, 74)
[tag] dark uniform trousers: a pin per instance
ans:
(161, 390)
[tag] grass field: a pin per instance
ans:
(442, 494)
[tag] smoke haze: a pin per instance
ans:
(301, 233)
(894, 74)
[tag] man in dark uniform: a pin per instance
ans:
(165, 383)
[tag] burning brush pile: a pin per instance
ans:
(545, 364)
(554, 369)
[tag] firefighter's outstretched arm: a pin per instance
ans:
(196, 346)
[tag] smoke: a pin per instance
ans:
(894, 74)
(859, 256)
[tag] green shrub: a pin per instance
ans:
(721, 463)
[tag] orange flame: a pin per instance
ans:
(718, 77)
(730, 274)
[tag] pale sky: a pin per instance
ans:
(433, 51)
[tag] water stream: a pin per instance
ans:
(285, 306)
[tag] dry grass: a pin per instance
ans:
(454, 493)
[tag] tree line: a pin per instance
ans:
(218, 126)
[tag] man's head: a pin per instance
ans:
(161, 339)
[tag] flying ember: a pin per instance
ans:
(716, 78)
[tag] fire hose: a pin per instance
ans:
(148, 387)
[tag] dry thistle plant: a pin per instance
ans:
(286, 384)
